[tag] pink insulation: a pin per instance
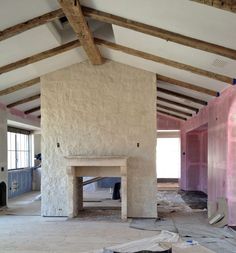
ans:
(165, 122)
(196, 160)
(2, 106)
(19, 113)
(220, 115)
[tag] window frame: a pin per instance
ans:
(16, 150)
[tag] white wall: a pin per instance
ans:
(99, 110)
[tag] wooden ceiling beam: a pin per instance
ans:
(171, 102)
(35, 109)
(182, 96)
(39, 56)
(127, 23)
(23, 101)
(226, 5)
(171, 114)
(164, 61)
(187, 85)
(75, 16)
(173, 110)
(160, 33)
(29, 24)
(19, 86)
(117, 47)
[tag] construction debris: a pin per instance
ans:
(165, 242)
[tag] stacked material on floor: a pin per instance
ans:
(160, 243)
(165, 242)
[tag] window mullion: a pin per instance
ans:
(16, 150)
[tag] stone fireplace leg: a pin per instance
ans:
(70, 190)
(75, 193)
(72, 210)
(123, 171)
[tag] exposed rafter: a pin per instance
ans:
(160, 33)
(144, 55)
(187, 85)
(171, 114)
(173, 110)
(164, 61)
(40, 56)
(35, 109)
(29, 24)
(23, 101)
(227, 5)
(19, 86)
(177, 104)
(75, 16)
(123, 22)
(180, 95)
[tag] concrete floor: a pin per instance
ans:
(22, 229)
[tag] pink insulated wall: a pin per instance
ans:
(220, 116)
(196, 160)
(165, 122)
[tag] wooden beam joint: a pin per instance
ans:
(74, 14)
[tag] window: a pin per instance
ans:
(18, 149)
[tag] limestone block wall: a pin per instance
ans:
(3, 147)
(99, 110)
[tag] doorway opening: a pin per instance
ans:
(197, 168)
(168, 158)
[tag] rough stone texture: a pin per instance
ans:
(99, 110)
(3, 146)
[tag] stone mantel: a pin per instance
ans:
(104, 166)
(77, 160)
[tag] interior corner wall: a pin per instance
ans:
(3, 148)
(221, 157)
(99, 110)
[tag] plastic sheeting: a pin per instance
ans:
(190, 224)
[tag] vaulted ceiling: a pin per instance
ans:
(190, 46)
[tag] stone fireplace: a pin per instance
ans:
(95, 166)
(107, 110)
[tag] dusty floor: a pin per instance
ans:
(22, 229)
